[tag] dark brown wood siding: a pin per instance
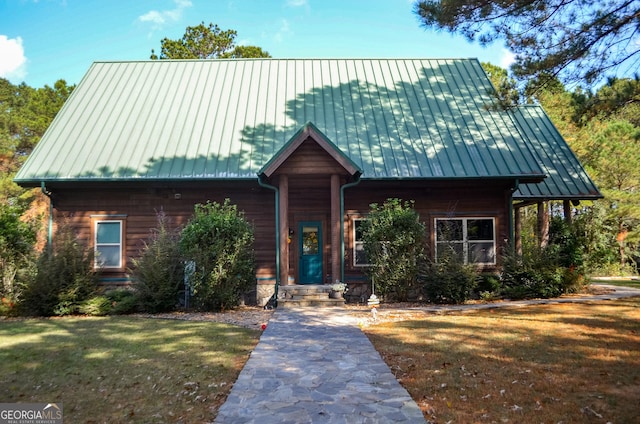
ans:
(138, 208)
(474, 198)
(310, 159)
(309, 200)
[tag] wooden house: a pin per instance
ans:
(303, 147)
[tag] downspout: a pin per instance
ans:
(50, 225)
(342, 189)
(512, 231)
(277, 211)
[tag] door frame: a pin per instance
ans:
(320, 226)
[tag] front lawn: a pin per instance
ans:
(624, 282)
(569, 363)
(123, 369)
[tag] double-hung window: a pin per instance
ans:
(359, 256)
(472, 240)
(108, 243)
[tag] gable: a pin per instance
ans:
(226, 119)
(310, 152)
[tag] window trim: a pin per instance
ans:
(465, 239)
(356, 243)
(96, 221)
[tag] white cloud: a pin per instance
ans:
(160, 17)
(296, 3)
(283, 32)
(13, 62)
(507, 59)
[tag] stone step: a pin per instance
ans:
(316, 295)
(320, 303)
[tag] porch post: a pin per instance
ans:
(518, 231)
(566, 206)
(335, 227)
(283, 190)
(543, 224)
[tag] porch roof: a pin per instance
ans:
(226, 119)
(566, 178)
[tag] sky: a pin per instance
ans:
(42, 41)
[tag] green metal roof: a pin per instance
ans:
(225, 119)
(566, 178)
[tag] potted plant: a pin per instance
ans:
(337, 290)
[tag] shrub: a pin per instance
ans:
(17, 239)
(64, 279)
(112, 302)
(534, 274)
(96, 306)
(488, 286)
(394, 240)
(550, 271)
(123, 301)
(219, 241)
(158, 272)
(449, 280)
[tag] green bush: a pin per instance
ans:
(96, 306)
(535, 274)
(219, 241)
(17, 255)
(64, 279)
(394, 241)
(158, 272)
(112, 302)
(448, 280)
(547, 272)
(123, 301)
(488, 286)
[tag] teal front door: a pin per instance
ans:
(310, 264)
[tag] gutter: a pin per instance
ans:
(50, 225)
(342, 189)
(277, 212)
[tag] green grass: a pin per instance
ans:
(123, 369)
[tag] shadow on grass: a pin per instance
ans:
(573, 363)
(122, 369)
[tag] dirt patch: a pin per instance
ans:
(248, 317)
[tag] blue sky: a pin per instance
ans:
(42, 41)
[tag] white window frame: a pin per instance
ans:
(357, 243)
(96, 245)
(465, 242)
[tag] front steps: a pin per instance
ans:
(315, 295)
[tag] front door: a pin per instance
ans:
(310, 264)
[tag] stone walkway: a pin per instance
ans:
(316, 366)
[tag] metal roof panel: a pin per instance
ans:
(394, 118)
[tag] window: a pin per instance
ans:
(108, 243)
(359, 258)
(470, 239)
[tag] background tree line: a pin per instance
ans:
(601, 123)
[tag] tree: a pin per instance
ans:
(16, 255)
(394, 242)
(615, 161)
(618, 99)
(206, 42)
(576, 40)
(25, 114)
(506, 90)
